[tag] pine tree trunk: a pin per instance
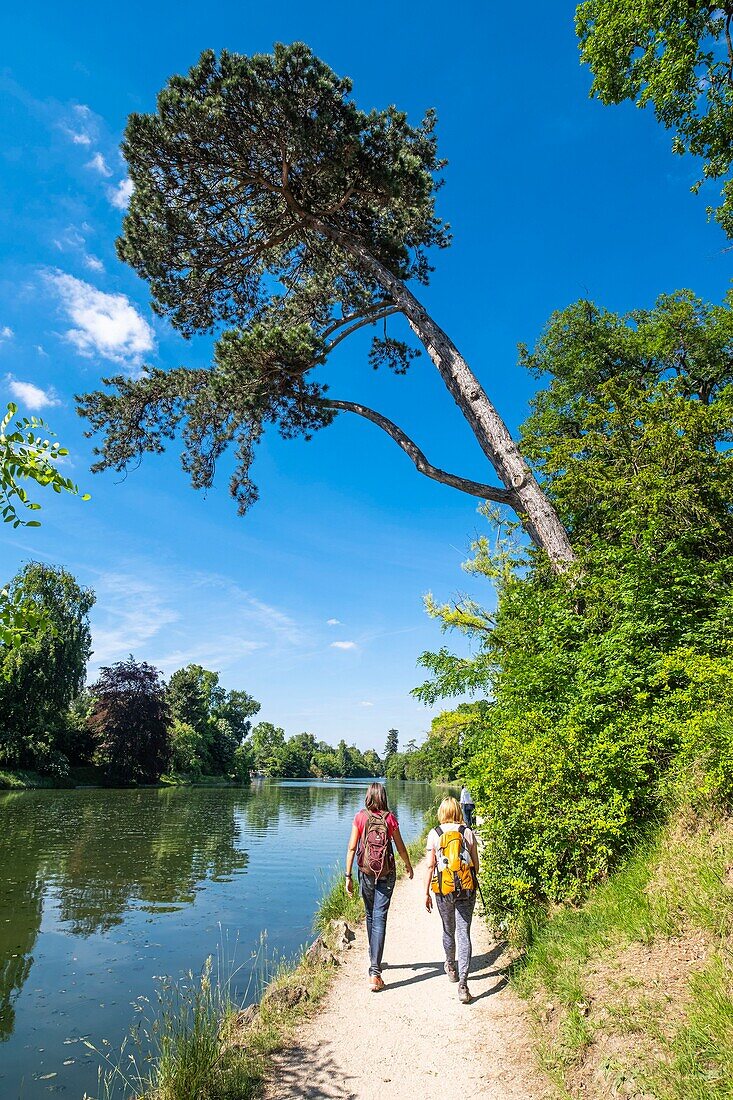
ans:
(535, 510)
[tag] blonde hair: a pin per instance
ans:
(449, 810)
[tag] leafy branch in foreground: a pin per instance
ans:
(267, 207)
(25, 456)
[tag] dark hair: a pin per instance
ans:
(376, 798)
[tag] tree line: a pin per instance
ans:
(130, 722)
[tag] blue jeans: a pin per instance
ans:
(468, 808)
(377, 894)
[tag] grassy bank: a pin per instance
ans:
(24, 781)
(632, 993)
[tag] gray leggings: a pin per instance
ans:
(456, 915)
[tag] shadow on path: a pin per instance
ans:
(435, 970)
(323, 1078)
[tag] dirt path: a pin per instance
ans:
(415, 1040)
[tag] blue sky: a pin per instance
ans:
(313, 602)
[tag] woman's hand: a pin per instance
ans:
(349, 886)
(410, 872)
(429, 902)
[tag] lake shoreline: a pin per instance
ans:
(119, 896)
(83, 779)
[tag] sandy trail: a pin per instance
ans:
(415, 1039)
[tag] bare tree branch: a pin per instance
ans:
(368, 319)
(473, 488)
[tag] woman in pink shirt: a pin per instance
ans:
(372, 833)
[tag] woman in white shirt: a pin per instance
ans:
(451, 877)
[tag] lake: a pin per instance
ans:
(104, 891)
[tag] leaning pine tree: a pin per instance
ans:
(268, 207)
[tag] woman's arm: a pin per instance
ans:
(350, 853)
(428, 880)
(404, 854)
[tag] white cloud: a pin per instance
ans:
(31, 397)
(41, 350)
(99, 164)
(121, 194)
(133, 612)
(333, 622)
(6, 333)
(343, 645)
(219, 653)
(105, 324)
(93, 263)
(79, 138)
(366, 704)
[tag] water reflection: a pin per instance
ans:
(100, 890)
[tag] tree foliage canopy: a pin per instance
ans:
(44, 672)
(268, 208)
(131, 721)
(676, 56)
(220, 719)
(233, 177)
(605, 684)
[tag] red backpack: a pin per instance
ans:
(376, 856)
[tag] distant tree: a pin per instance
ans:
(131, 722)
(25, 456)
(394, 767)
(678, 57)
(236, 708)
(42, 674)
(220, 717)
(391, 747)
(187, 698)
(186, 748)
(243, 762)
(265, 201)
(372, 763)
(343, 759)
(325, 763)
(75, 738)
(267, 740)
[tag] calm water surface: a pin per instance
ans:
(103, 891)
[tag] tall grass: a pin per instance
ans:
(182, 1051)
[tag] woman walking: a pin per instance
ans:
(372, 833)
(451, 878)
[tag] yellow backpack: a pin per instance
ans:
(453, 872)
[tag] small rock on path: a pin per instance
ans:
(415, 1039)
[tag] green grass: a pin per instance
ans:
(677, 885)
(23, 780)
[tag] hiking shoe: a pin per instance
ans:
(463, 995)
(450, 969)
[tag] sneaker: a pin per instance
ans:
(463, 995)
(450, 969)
